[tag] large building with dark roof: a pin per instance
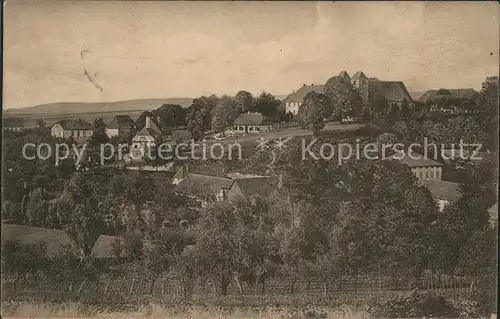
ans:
(120, 125)
(294, 100)
(423, 168)
(394, 92)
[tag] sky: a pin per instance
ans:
(135, 50)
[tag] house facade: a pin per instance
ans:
(79, 130)
(120, 125)
(394, 92)
(13, 124)
(145, 138)
(252, 123)
(294, 100)
(423, 168)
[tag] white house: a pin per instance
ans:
(79, 130)
(252, 123)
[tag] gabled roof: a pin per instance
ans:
(203, 186)
(345, 76)
(303, 91)
(358, 75)
(181, 173)
(55, 240)
(443, 190)
(121, 122)
(148, 132)
(103, 248)
(467, 94)
(414, 160)
(262, 185)
(74, 124)
(393, 91)
(252, 119)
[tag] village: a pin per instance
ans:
(165, 215)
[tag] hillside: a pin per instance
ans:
(83, 108)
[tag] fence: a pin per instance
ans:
(171, 285)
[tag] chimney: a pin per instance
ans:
(148, 122)
(304, 84)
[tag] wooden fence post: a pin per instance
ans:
(83, 284)
(107, 285)
(132, 286)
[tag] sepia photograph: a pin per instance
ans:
(250, 159)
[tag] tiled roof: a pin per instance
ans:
(420, 161)
(345, 76)
(393, 91)
(443, 190)
(303, 91)
(252, 119)
(121, 122)
(357, 75)
(103, 247)
(204, 186)
(256, 185)
(55, 240)
(148, 132)
(456, 93)
(181, 173)
(74, 124)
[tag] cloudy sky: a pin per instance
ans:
(178, 49)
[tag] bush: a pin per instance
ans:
(414, 305)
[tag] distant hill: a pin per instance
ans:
(99, 107)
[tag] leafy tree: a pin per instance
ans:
(41, 123)
(80, 213)
(220, 244)
(224, 113)
(314, 110)
(244, 101)
(345, 100)
(99, 135)
(199, 116)
(268, 105)
(173, 115)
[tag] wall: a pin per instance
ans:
(110, 132)
(292, 107)
(428, 172)
(57, 131)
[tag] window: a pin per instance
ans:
(426, 175)
(421, 175)
(250, 128)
